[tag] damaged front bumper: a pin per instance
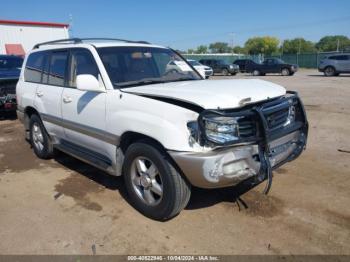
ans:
(252, 157)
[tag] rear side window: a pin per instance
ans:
(342, 57)
(34, 67)
(82, 62)
(339, 57)
(58, 65)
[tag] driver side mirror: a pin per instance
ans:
(87, 82)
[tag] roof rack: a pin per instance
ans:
(81, 40)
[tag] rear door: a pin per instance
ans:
(49, 89)
(84, 112)
(343, 63)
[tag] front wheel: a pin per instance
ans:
(256, 72)
(225, 72)
(329, 71)
(285, 72)
(155, 187)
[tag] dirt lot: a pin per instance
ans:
(63, 206)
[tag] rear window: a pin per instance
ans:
(8, 63)
(34, 67)
(58, 65)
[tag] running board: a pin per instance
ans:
(95, 159)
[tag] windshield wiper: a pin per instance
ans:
(181, 79)
(139, 83)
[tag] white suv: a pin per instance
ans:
(118, 106)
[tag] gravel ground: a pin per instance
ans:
(63, 206)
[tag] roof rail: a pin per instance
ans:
(81, 40)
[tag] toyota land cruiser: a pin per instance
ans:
(118, 106)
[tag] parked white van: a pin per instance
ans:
(115, 105)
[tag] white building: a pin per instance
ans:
(18, 37)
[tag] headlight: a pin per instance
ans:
(231, 66)
(291, 116)
(221, 129)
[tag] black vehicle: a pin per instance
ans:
(10, 68)
(219, 66)
(243, 63)
(271, 65)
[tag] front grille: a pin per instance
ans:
(277, 119)
(247, 127)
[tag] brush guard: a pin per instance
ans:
(265, 134)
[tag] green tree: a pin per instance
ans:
(202, 49)
(190, 51)
(262, 45)
(239, 50)
(293, 46)
(330, 43)
(219, 47)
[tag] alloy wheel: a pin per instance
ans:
(146, 181)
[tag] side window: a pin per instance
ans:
(342, 57)
(34, 67)
(81, 62)
(58, 64)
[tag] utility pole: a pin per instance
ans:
(231, 40)
(298, 51)
(338, 45)
(70, 25)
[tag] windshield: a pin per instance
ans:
(279, 61)
(10, 62)
(133, 66)
(194, 62)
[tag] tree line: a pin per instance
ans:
(269, 45)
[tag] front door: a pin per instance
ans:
(84, 112)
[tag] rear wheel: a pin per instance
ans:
(40, 139)
(285, 72)
(329, 71)
(155, 187)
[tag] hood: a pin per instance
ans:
(203, 67)
(216, 94)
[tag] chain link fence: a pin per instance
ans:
(304, 60)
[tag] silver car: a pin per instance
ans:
(334, 65)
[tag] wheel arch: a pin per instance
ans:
(28, 112)
(130, 137)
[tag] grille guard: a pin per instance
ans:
(264, 134)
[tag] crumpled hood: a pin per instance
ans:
(214, 94)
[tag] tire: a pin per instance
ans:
(329, 71)
(285, 72)
(256, 72)
(40, 139)
(225, 72)
(159, 194)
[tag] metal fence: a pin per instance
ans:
(304, 60)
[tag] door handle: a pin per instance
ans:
(67, 99)
(40, 93)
